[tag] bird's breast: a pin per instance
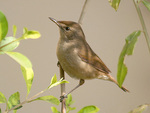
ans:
(72, 64)
(67, 54)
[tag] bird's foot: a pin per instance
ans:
(63, 97)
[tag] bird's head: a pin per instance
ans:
(69, 29)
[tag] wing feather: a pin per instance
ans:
(87, 55)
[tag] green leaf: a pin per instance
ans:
(54, 110)
(3, 26)
(127, 50)
(140, 109)
(147, 4)
(70, 109)
(20, 58)
(89, 109)
(2, 98)
(14, 100)
(49, 98)
(25, 30)
(114, 4)
(26, 68)
(28, 75)
(14, 30)
(69, 102)
(31, 34)
(8, 44)
(0, 110)
(14, 111)
(131, 40)
(54, 82)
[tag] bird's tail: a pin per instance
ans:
(124, 89)
(113, 80)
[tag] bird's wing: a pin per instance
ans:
(87, 55)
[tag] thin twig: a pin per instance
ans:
(83, 11)
(63, 103)
(26, 101)
(142, 23)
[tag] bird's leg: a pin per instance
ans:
(81, 82)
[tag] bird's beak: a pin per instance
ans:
(57, 23)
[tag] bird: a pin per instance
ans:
(77, 58)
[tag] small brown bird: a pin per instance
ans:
(76, 57)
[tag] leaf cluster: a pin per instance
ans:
(115, 3)
(7, 47)
(131, 40)
(8, 44)
(69, 102)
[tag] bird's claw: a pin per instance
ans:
(62, 97)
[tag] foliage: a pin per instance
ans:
(127, 50)
(114, 4)
(14, 100)
(9, 44)
(129, 46)
(54, 110)
(3, 26)
(54, 82)
(147, 4)
(69, 102)
(140, 108)
(130, 40)
(9, 47)
(2, 98)
(49, 98)
(89, 109)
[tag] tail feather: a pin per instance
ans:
(124, 89)
(113, 80)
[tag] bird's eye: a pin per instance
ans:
(67, 28)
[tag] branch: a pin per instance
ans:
(142, 23)
(26, 101)
(63, 104)
(83, 11)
